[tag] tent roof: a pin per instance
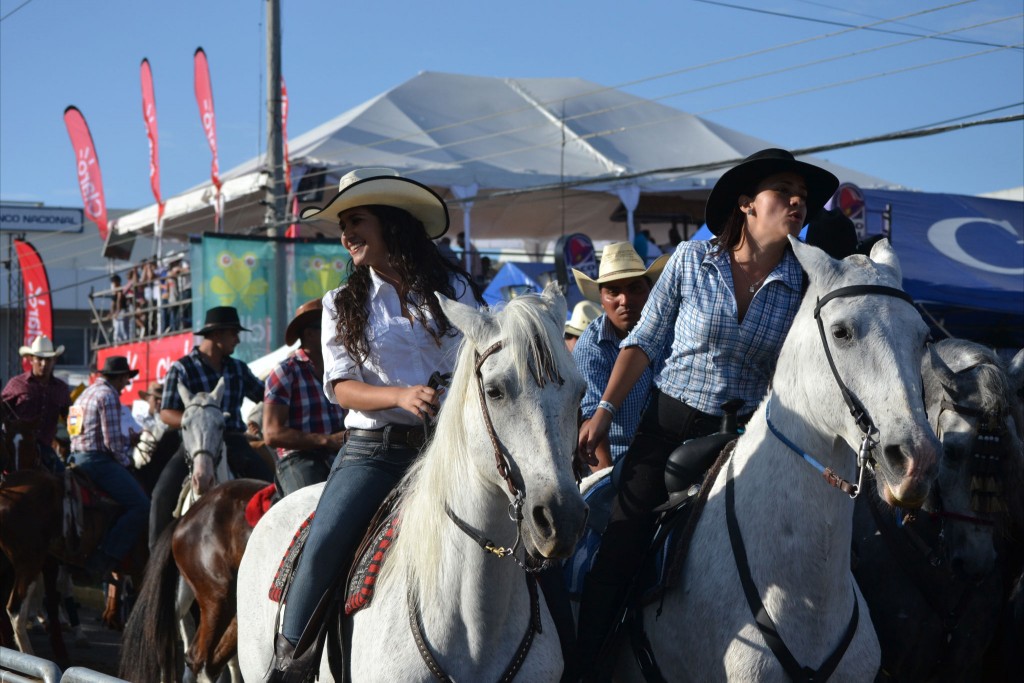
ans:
(499, 134)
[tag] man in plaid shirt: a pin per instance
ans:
(298, 420)
(101, 448)
(200, 370)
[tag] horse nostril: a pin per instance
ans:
(896, 459)
(542, 520)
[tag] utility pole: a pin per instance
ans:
(276, 201)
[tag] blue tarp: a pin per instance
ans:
(515, 278)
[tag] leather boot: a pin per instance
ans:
(287, 668)
(601, 606)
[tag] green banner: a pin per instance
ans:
(265, 279)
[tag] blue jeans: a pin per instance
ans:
(303, 468)
(50, 460)
(114, 480)
(363, 475)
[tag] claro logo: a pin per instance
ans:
(943, 236)
(91, 195)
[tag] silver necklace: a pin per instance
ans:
(754, 286)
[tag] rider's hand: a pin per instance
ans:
(593, 432)
(336, 440)
(419, 400)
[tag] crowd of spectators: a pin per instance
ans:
(149, 299)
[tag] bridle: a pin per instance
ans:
(544, 372)
(869, 440)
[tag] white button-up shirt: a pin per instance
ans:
(402, 353)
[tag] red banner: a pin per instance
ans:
(88, 168)
(38, 307)
(204, 98)
(149, 116)
(152, 359)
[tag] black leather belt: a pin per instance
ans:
(410, 437)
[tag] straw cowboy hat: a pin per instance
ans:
(117, 365)
(305, 315)
(155, 389)
(222, 318)
(384, 186)
(582, 314)
(41, 347)
(618, 262)
(744, 177)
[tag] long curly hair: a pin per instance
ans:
(422, 270)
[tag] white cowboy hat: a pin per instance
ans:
(384, 186)
(41, 347)
(618, 262)
(582, 314)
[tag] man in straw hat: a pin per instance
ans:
(306, 429)
(198, 371)
(621, 288)
(38, 396)
(101, 448)
(582, 314)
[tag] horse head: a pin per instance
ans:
(863, 340)
(518, 390)
(970, 404)
(202, 433)
(20, 448)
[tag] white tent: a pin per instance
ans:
(510, 144)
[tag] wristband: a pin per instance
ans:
(607, 406)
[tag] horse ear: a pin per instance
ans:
(185, 394)
(815, 262)
(883, 254)
(932, 363)
(476, 325)
(555, 303)
(218, 391)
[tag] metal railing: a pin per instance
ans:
(18, 667)
(142, 317)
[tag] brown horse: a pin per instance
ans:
(30, 517)
(204, 547)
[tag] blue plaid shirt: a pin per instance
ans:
(595, 354)
(197, 375)
(691, 313)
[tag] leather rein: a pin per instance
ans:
(547, 372)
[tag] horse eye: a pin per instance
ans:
(840, 332)
(493, 392)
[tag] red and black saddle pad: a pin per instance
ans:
(364, 573)
(286, 570)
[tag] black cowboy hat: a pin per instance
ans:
(222, 318)
(117, 365)
(744, 177)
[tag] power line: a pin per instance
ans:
(828, 22)
(4, 17)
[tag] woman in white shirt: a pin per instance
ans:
(384, 336)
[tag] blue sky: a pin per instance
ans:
(338, 54)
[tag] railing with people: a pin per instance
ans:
(146, 301)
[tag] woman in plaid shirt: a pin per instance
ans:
(718, 315)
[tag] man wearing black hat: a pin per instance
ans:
(200, 370)
(102, 449)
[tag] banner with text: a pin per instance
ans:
(87, 166)
(152, 359)
(38, 307)
(149, 116)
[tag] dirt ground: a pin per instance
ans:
(103, 647)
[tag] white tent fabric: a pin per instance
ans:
(507, 137)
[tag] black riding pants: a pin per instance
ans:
(665, 424)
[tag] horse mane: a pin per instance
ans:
(445, 468)
(989, 374)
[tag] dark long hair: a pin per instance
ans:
(732, 232)
(422, 270)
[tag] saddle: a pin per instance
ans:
(87, 513)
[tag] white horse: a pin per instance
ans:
(794, 528)
(516, 387)
(202, 435)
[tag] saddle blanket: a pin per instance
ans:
(367, 567)
(285, 570)
(259, 504)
